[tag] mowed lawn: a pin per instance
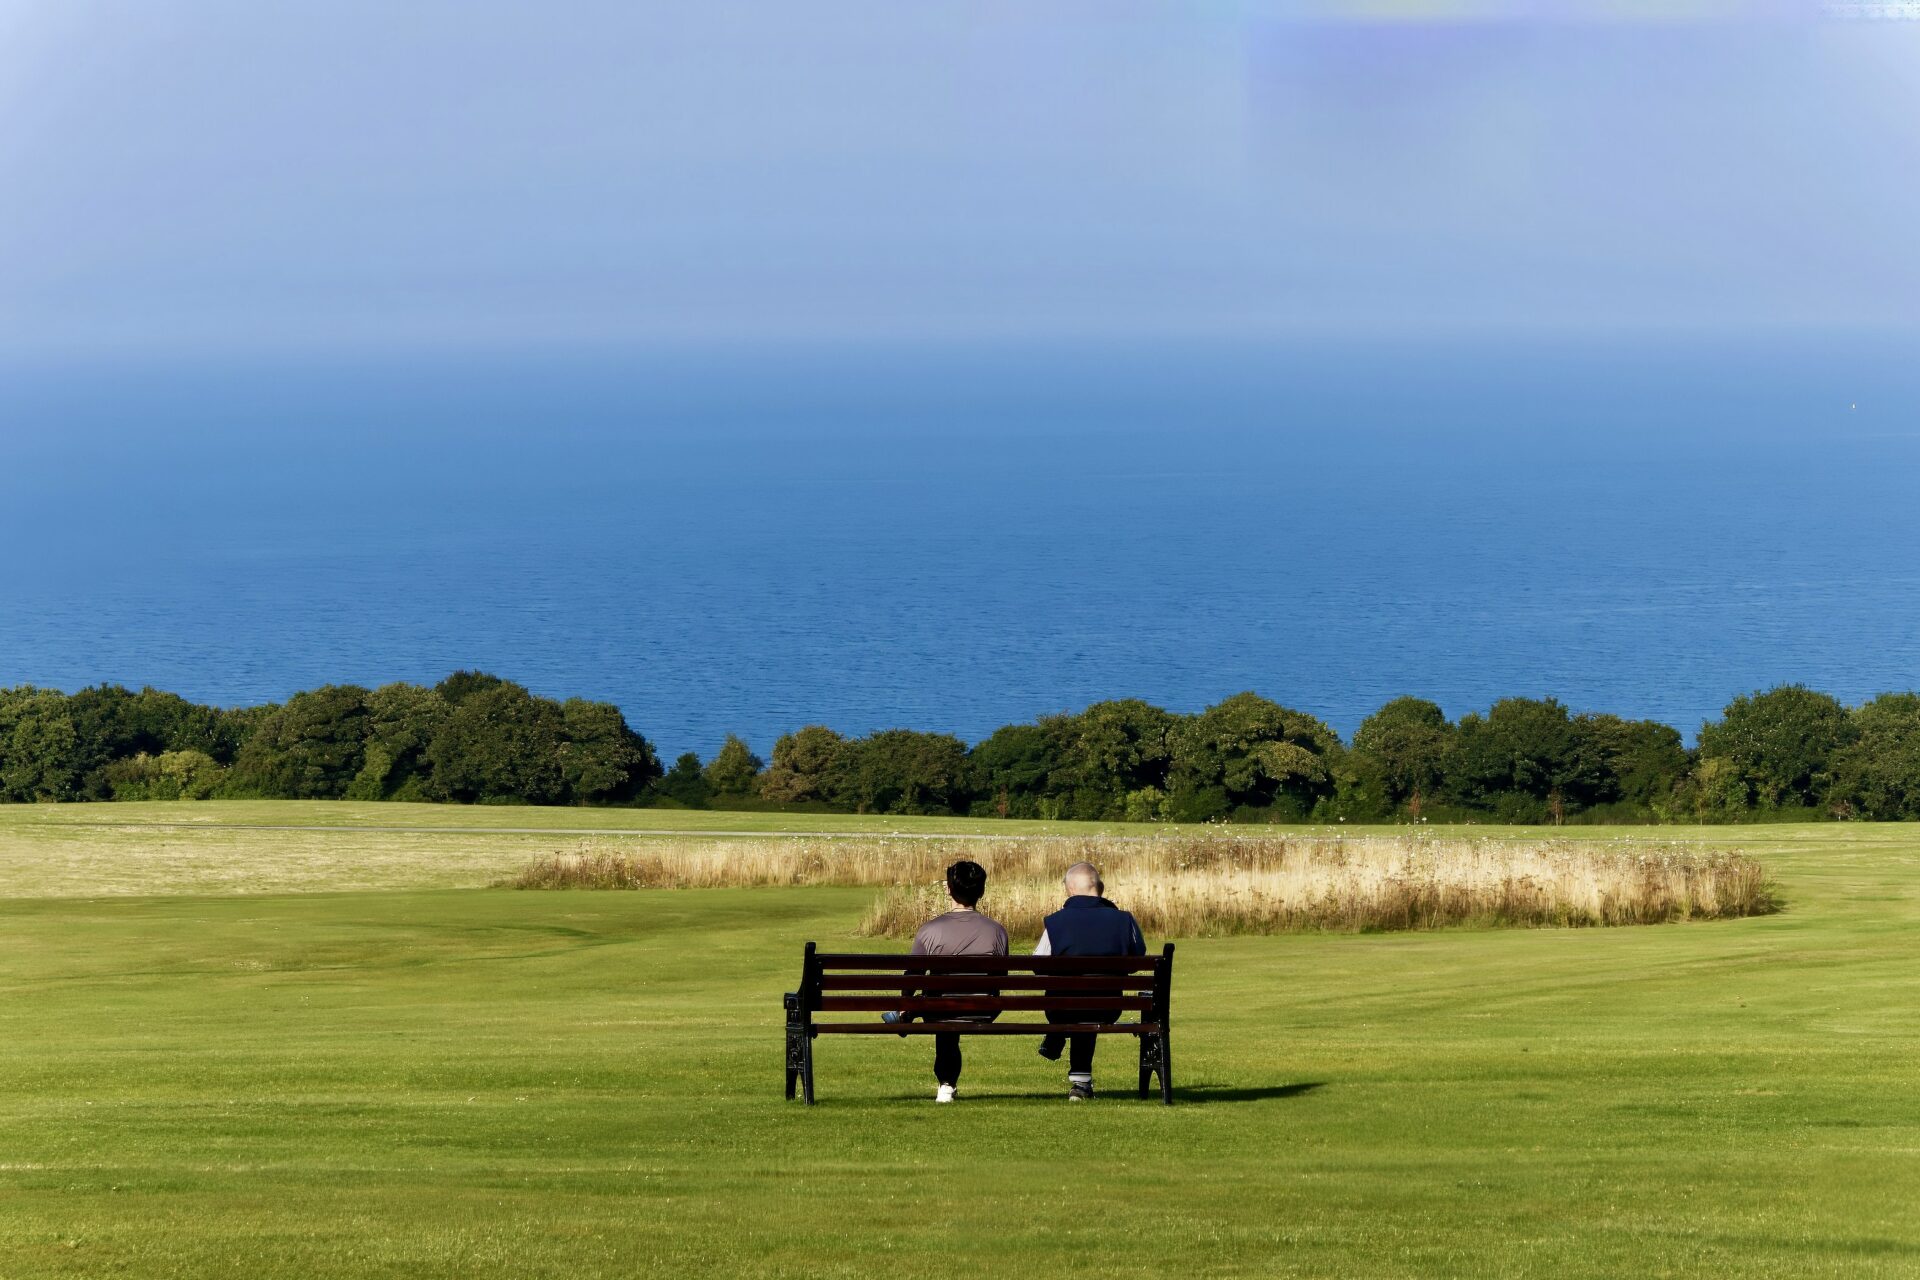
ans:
(477, 1082)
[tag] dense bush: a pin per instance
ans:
(1248, 756)
(475, 738)
(500, 743)
(1410, 748)
(171, 775)
(803, 766)
(1876, 774)
(1779, 746)
(472, 738)
(1013, 770)
(310, 748)
(900, 771)
(40, 749)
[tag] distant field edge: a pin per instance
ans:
(533, 820)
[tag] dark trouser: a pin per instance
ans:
(946, 1057)
(1081, 1045)
(1080, 1052)
(946, 1050)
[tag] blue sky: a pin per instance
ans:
(223, 176)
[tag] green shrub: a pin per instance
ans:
(171, 775)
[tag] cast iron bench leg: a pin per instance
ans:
(1156, 1059)
(796, 1044)
(806, 1065)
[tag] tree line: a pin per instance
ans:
(475, 738)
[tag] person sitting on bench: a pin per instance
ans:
(962, 931)
(1088, 925)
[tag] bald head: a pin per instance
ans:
(1083, 880)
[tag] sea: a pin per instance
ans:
(748, 538)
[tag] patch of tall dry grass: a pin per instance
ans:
(1218, 885)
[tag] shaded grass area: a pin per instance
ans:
(471, 1083)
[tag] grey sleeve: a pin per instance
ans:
(920, 948)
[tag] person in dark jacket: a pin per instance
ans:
(1088, 925)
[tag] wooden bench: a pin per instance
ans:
(1060, 987)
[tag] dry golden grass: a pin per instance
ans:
(1209, 886)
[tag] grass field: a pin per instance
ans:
(415, 1079)
(274, 846)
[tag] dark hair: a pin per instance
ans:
(966, 881)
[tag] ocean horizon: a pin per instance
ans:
(731, 540)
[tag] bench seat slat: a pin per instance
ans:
(900, 962)
(979, 1004)
(985, 1028)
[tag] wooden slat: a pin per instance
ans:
(980, 1004)
(970, 983)
(985, 1028)
(899, 963)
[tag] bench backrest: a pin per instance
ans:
(935, 986)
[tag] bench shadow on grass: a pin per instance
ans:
(1243, 1093)
(1184, 1095)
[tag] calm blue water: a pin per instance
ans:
(954, 540)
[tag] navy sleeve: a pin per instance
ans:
(1138, 947)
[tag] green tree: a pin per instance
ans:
(804, 765)
(904, 771)
(1012, 768)
(40, 751)
(1877, 774)
(1411, 747)
(113, 723)
(461, 685)
(1525, 761)
(735, 771)
(1636, 762)
(500, 744)
(604, 760)
(234, 726)
(1780, 744)
(308, 749)
(1250, 753)
(402, 719)
(1715, 790)
(685, 784)
(1110, 751)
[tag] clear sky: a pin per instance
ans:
(224, 175)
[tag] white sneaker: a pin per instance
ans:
(944, 1093)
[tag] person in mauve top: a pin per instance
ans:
(962, 931)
